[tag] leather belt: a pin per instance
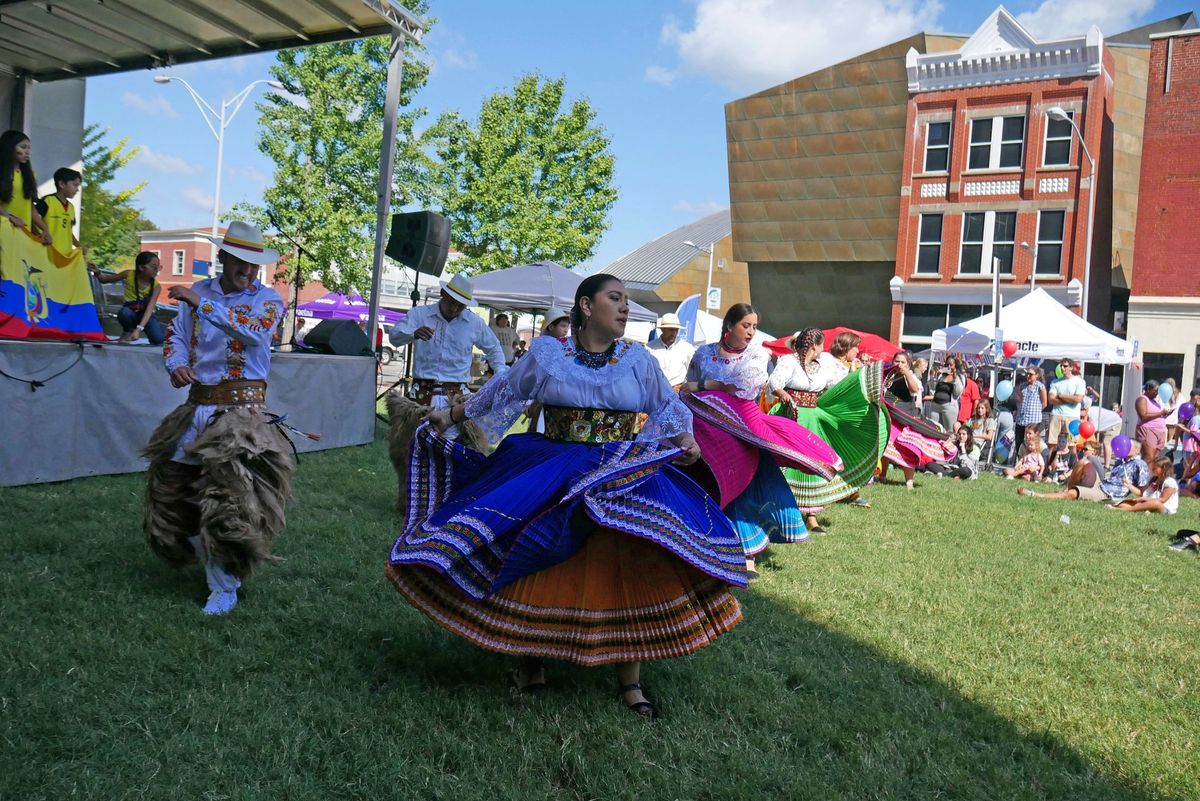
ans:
(229, 393)
(426, 389)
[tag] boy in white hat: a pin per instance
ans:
(673, 353)
(442, 335)
(220, 472)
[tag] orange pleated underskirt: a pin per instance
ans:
(618, 599)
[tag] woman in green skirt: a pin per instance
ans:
(839, 399)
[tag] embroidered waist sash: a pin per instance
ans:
(590, 426)
(424, 390)
(803, 398)
(229, 393)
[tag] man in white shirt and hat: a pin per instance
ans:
(220, 467)
(443, 335)
(673, 352)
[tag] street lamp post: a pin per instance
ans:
(1059, 114)
(217, 123)
(709, 250)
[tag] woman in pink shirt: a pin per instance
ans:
(1152, 425)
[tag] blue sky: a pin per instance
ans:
(657, 73)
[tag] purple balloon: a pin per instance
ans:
(1121, 446)
(1186, 412)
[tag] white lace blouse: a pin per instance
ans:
(747, 370)
(790, 374)
(631, 381)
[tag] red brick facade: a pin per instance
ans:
(181, 247)
(1168, 234)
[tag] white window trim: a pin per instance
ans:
(921, 243)
(1061, 243)
(179, 262)
(989, 239)
(925, 156)
(1046, 140)
(996, 141)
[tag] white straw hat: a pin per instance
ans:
(246, 242)
(460, 288)
(669, 320)
(553, 315)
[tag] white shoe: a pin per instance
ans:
(220, 602)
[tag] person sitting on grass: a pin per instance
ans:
(965, 464)
(1060, 461)
(1031, 465)
(1085, 481)
(1160, 495)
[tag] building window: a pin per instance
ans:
(937, 147)
(1161, 366)
(920, 320)
(929, 251)
(987, 235)
(997, 143)
(1059, 134)
(1050, 242)
(177, 263)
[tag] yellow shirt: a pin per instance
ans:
(60, 219)
(20, 205)
(138, 290)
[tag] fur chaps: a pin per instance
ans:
(234, 499)
(404, 416)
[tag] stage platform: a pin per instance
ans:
(99, 404)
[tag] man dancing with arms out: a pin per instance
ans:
(220, 472)
(442, 335)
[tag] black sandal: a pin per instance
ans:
(529, 666)
(643, 709)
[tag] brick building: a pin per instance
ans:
(821, 166)
(1164, 308)
(988, 178)
(185, 255)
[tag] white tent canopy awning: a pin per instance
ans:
(1042, 327)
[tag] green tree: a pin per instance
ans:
(527, 181)
(109, 223)
(324, 136)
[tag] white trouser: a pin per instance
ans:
(218, 579)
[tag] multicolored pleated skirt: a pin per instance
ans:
(913, 442)
(742, 449)
(589, 553)
(851, 418)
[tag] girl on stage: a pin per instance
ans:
(584, 544)
(912, 442)
(744, 447)
(847, 413)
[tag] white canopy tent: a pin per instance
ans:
(1042, 327)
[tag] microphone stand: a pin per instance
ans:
(299, 284)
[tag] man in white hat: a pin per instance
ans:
(220, 472)
(673, 353)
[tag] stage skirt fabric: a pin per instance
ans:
(741, 450)
(914, 443)
(851, 418)
(592, 554)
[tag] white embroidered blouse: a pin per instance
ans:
(747, 370)
(631, 381)
(790, 374)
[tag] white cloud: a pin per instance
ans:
(698, 209)
(1057, 19)
(197, 199)
(448, 50)
(456, 59)
(660, 75)
(153, 106)
(749, 45)
(251, 174)
(165, 162)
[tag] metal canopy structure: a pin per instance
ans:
(48, 40)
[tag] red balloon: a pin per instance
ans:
(1086, 429)
(1010, 348)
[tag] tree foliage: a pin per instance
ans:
(109, 223)
(324, 136)
(526, 181)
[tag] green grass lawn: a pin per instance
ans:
(953, 642)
